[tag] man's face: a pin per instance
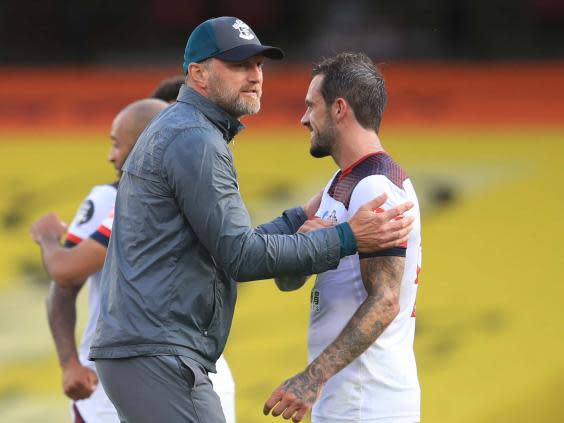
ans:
(236, 87)
(122, 143)
(317, 119)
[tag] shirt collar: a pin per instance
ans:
(227, 124)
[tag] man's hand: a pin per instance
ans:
(48, 226)
(78, 381)
(312, 205)
(315, 223)
(379, 231)
(295, 397)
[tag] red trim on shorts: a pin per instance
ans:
(77, 417)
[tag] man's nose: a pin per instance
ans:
(255, 74)
(305, 119)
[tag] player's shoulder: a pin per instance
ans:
(380, 174)
(103, 190)
(332, 181)
(376, 172)
(100, 197)
(105, 193)
(381, 164)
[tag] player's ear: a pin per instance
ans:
(340, 108)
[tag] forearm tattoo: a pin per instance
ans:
(306, 385)
(382, 279)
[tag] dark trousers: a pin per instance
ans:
(160, 389)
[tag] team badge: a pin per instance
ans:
(244, 30)
(85, 212)
(331, 217)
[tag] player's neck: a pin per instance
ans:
(354, 145)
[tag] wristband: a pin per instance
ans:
(348, 241)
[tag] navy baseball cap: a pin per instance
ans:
(225, 38)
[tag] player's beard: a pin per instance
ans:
(231, 100)
(322, 141)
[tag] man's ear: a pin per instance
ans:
(340, 108)
(198, 75)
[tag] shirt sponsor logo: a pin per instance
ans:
(315, 301)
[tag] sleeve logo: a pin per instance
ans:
(85, 212)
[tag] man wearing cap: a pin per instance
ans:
(182, 237)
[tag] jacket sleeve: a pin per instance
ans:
(199, 169)
(287, 224)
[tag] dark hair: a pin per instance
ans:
(167, 90)
(355, 78)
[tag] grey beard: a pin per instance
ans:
(234, 105)
(240, 108)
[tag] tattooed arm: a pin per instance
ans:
(78, 381)
(382, 279)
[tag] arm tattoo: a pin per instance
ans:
(61, 313)
(382, 279)
(306, 385)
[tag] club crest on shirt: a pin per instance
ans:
(244, 30)
(85, 212)
(331, 217)
(315, 307)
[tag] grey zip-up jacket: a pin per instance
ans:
(182, 236)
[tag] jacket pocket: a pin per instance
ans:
(214, 306)
(186, 372)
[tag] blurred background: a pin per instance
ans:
(476, 117)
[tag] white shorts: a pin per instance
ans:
(97, 408)
(224, 386)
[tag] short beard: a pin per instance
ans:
(230, 100)
(322, 142)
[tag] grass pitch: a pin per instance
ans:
(489, 339)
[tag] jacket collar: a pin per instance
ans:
(227, 124)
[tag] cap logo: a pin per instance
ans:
(244, 30)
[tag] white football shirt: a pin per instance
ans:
(380, 385)
(92, 212)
